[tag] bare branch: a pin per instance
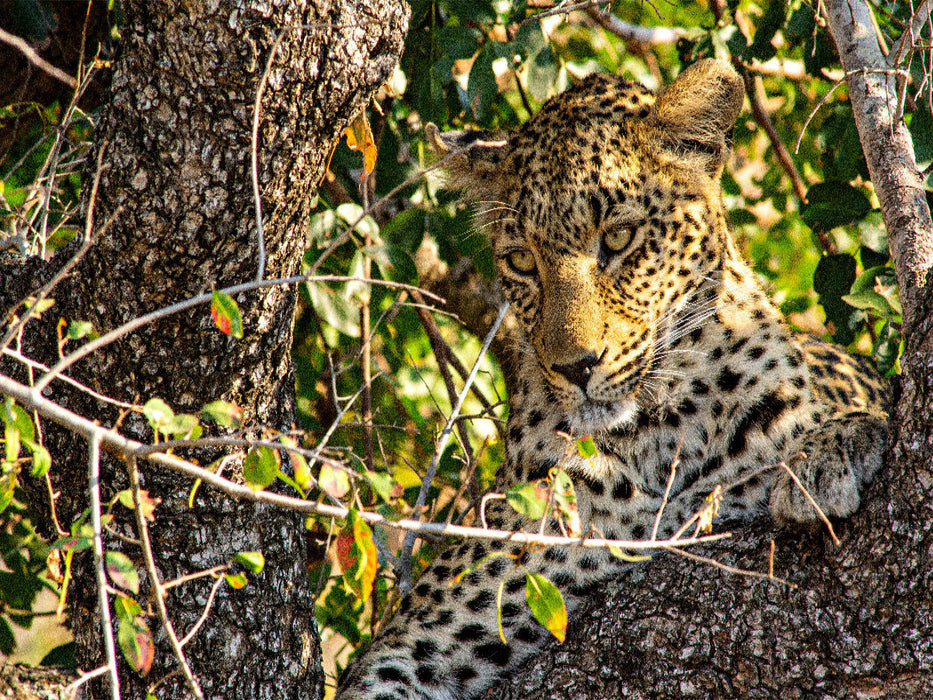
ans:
(35, 59)
(19, 357)
(67, 267)
(95, 437)
(145, 319)
(905, 44)
(819, 511)
(125, 446)
(647, 36)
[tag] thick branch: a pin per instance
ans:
(887, 146)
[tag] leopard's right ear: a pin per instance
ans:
(472, 158)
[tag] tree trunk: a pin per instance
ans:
(176, 140)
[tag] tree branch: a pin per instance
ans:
(888, 148)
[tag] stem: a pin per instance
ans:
(94, 441)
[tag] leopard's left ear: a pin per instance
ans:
(475, 157)
(697, 111)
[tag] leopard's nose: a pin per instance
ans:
(579, 371)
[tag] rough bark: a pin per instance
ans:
(860, 622)
(176, 134)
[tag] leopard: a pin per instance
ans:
(641, 325)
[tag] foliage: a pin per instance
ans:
(367, 430)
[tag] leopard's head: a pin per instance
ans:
(604, 213)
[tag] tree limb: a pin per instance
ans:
(888, 148)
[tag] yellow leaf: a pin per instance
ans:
(360, 138)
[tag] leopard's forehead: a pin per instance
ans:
(587, 129)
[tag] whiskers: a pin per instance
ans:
(488, 212)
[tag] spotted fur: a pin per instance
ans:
(640, 325)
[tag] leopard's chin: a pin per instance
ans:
(591, 418)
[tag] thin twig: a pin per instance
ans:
(637, 34)
(67, 267)
(730, 569)
(188, 578)
(404, 571)
(207, 608)
(667, 490)
(917, 21)
(32, 364)
(754, 88)
(94, 440)
(563, 10)
(157, 591)
(819, 511)
(254, 158)
(185, 304)
(84, 678)
(345, 234)
(816, 109)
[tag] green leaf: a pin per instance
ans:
(126, 608)
(39, 308)
(630, 558)
(121, 571)
(565, 502)
(921, 131)
(458, 42)
(542, 73)
(482, 90)
(832, 204)
(383, 484)
(260, 467)
(181, 425)
(79, 329)
(125, 498)
(18, 430)
(41, 459)
(874, 235)
(586, 448)
(254, 561)
(16, 417)
(7, 490)
(224, 413)
(406, 231)
(301, 470)
(7, 638)
(832, 280)
(547, 604)
(888, 348)
(226, 314)
(528, 499)
(394, 263)
(134, 636)
(158, 414)
(876, 290)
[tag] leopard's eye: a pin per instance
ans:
(615, 239)
(521, 261)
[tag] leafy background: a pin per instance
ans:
(816, 239)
